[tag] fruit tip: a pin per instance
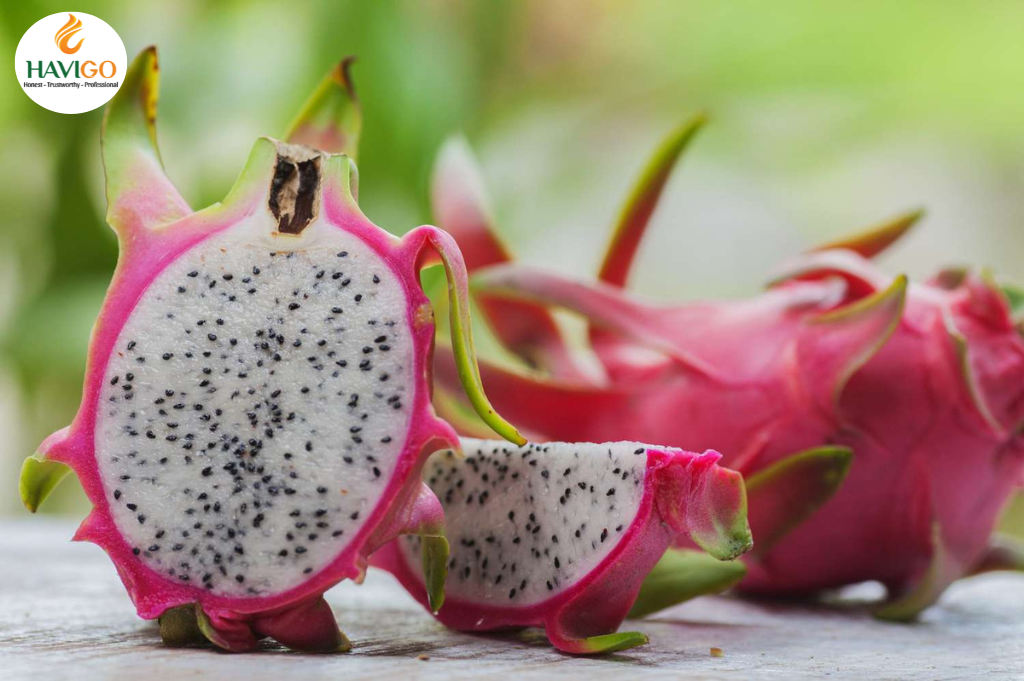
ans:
(343, 74)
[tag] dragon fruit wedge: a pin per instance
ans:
(561, 535)
(921, 384)
(256, 409)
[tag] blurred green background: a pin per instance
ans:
(826, 117)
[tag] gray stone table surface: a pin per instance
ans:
(65, 615)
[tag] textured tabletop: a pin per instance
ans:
(64, 614)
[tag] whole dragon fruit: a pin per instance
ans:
(923, 383)
(256, 408)
(561, 535)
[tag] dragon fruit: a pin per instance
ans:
(561, 535)
(256, 408)
(922, 384)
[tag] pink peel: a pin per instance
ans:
(642, 200)
(836, 353)
(284, 193)
(878, 238)
(684, 495)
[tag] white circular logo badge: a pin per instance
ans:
(71, 62)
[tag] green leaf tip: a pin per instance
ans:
(969, 377)
(180, 627)
(331, 119)
(130, 117)
(791, 490)
(641, 201)
(139, 194)
(435, 569)
(681, 576)
(462, 340)
(864, 326)
(877, 238)
(38, 478)
(940, 573)
(612, 643)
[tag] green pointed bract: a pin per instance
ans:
(860, 330)
(790, 491)
(435, 569)
(139, 195)
(180, 627)
(1003, 553)
(612, 643)
(462, 338)
(38, 478)
(877, 238)
(683, 575)
(719, 524)
(940, 573)
(331, 119)
(970, 380)
(641, 202)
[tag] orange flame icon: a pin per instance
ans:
(66, 33)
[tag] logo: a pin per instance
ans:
(70, 62)
(66, 33)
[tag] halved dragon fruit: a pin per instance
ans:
(561, 535)
(923, 383)
(256, 409)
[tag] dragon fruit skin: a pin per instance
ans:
(683, 495)
(156, 228)
(923, 382)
